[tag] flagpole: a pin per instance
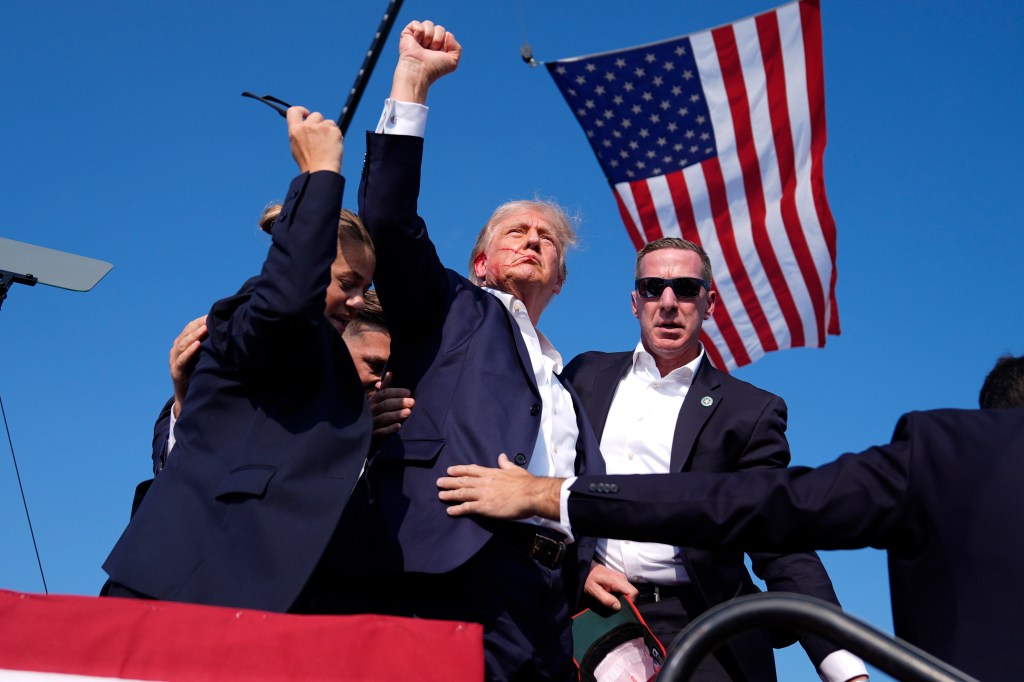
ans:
(379, 38)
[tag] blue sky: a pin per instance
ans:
(126, 140)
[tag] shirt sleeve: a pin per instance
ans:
(840, 666)
(563, 508)
(170, 434)
(403, 118)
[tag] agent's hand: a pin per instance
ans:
(390, 406)
(183, 357)
(508, 492)
(603, 584)
(426, 52)
(316, 141)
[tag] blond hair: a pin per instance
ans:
(350, 227)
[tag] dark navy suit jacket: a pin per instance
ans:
(460, 352)
(271, 439)
(742, 428)
(943, 498)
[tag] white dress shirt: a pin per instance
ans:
(554, 453)
(637, 439)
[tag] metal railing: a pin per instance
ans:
(891, 655)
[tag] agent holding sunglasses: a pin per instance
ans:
(661, 408)
(275, 427)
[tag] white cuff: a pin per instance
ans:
(840, 666)
(563, 504)
(403, 118)
(170, 432)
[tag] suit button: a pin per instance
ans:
(534, 409)
(614, 487)
(520, 459)
(592, 487)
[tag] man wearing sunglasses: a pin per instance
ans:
(943, 499)
(662, 408)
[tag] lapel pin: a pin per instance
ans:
(707, 401)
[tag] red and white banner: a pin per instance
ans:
(66, 637)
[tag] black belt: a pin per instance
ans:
(545, 545)
(648, 593)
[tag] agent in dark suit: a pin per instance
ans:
(275, 427)
(365, 335)
(943, 498)
(664, 408)
(484, 380)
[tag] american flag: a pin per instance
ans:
(718, 137)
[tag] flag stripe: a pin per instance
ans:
(726, 325)
(645, 209)
(775, 250)
(727, 241)
(711, 349)
(634, 234)
(765, 265)
(713, 212)
(661, 197)
(792, 40)
(778, 107)
(810, 15)
(688, 230)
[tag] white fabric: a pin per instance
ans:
(840, 666)
(403, 118)
(631, 661)
(170, 432)
(554, 453)
(637, 439)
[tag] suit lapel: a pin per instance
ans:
(694, 414)
(604, 382)
(524, 354)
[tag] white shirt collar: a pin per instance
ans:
(645, 364)
(522, 317)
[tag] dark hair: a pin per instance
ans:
(370, 317)
(675, 243)
(1004, 385)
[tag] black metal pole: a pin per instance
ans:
(900, 659)
(379, 38)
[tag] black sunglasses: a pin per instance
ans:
(271, 102)
(682, 287)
